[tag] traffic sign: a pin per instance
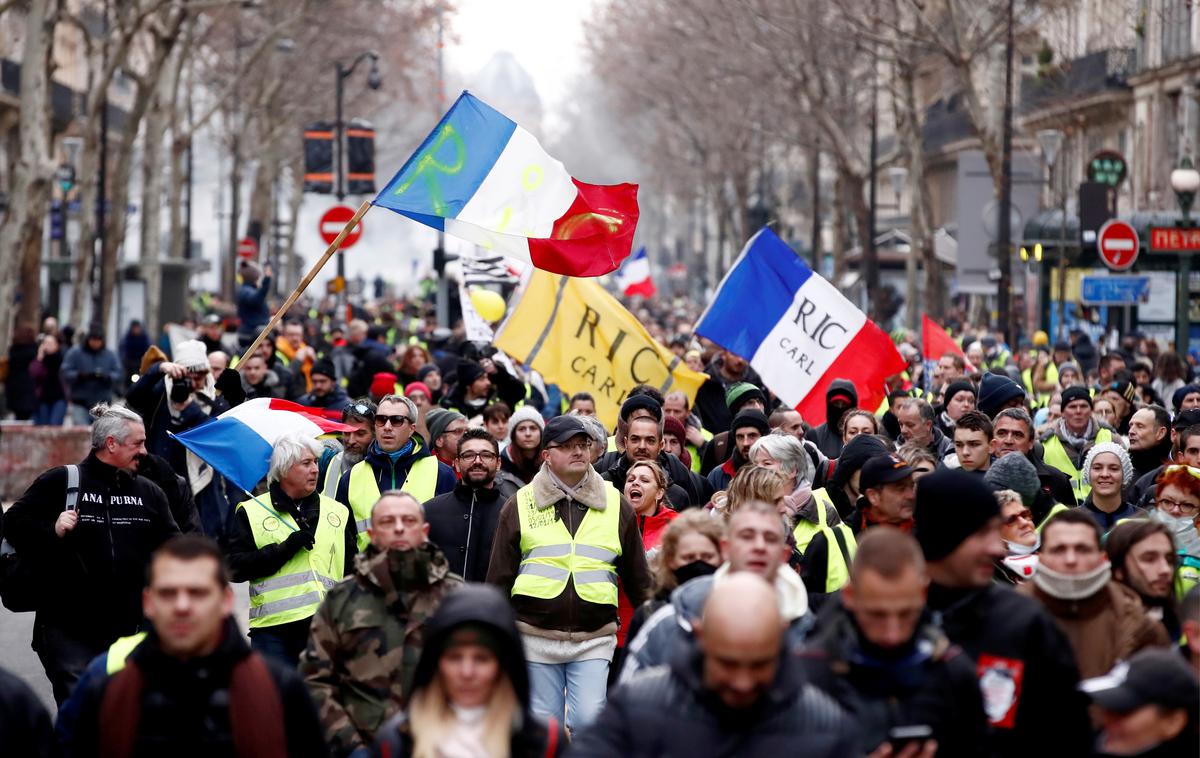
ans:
(334, 220)
(247, 248)
(1117, 244)
(1114, 290)
(1169, 239)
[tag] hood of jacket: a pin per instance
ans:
(839, 387)
(482, 605)
(688, 599)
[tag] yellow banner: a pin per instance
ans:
(579, 337)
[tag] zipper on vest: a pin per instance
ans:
(470, 522)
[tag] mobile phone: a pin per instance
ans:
(901, 737)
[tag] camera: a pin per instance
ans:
(180, 391)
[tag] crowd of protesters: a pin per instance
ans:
(1003, 559)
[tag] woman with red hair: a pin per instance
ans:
(1177, 506)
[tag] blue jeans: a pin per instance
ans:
(81, 415)
(585, 683)
(51, 414)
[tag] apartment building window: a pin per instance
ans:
(1176, 29)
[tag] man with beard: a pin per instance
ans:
(463, 522)
(361, 415)
(725, 370)
(1142, 556)
(366, 636)
(746, 428)
(1149, 439)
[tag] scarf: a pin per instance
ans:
(1015, 548)
(1072, 586)
(1077, 442)
(549, 489)
(1183, 531)
(466, 739)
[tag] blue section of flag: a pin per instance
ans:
(442, 176)
(754, 295)
(232, 448)
(639, 255)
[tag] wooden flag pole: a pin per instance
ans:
(307, 280)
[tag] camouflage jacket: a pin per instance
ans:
(364, 646)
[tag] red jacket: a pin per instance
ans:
(652, 528)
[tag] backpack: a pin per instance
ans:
(20, 578)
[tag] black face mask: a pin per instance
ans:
(690, 571)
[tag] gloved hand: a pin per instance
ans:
(300, 539)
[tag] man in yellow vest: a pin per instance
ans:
(292, 544)
(561, 544)
(398, 459)
(1068, 441)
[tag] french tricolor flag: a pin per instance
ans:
(238, 443)
(634, 275)
(482, 178)
(797, 330)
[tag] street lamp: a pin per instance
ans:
(1185, 181)
(1051, 141)
(374, 81)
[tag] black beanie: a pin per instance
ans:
(951, 506)
(641, 402)
(750, 417)
(467, 372)
(324, 367)
(1076, 392)
(955, 387)
(857, 451)
(994, 391)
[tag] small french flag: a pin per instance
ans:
(634, 275)
(797, 330)
(238, 443)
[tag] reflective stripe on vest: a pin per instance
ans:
(1056, 509)
(294, 591)
(837, 570)
(363, 492)
(1055, 454)
(550, 555)
(120, 650)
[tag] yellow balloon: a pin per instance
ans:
(489, 305)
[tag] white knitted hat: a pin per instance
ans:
(1115, 449)
(191, 354)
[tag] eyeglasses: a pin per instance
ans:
(573, 447)
(1176, 506)
(487, 456)
(396, 420)
(1026, 515)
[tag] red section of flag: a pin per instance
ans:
(328, 420)
(645, 288)
(869, 359)
(594, 235)
(936, 342)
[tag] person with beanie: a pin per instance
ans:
(1067, 442)
(1069, 375)
(431, 376)
(958, 398)
(746, 428)
(326, 393)
(997, 392)
(1108, 472)
(1122, 393)
(839, 398)
(1019, 474)
(1025, 665)
(384, 383)
(1186, 398)
(522, 457)
(675, 440)
(1104, 620)
(445, 429)
(739, 397)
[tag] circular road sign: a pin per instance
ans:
(1118, 245)
(334, 220)
(247, 248)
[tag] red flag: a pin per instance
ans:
(936, 342)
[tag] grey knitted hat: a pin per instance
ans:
(1014, 472)
(1115, 449)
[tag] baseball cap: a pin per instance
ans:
(883, 469)
(1184, 419)
(1149, 677)
(562, 428)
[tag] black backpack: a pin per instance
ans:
(20, 578)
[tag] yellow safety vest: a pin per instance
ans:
(1054, 454)
(1187, 575)
(550, 555)
(837, 568)
(296, 590)
(1054, 511)
(120, 650)
(363, 492)
(695, 451)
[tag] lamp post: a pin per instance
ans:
(374, 81)
(1051, 141)
(1185, 181)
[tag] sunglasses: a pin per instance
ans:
(1026, 514)
(395, 420)
(360, 408)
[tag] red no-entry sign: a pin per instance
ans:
(1117, 244)
(332, 222)
(247, 248)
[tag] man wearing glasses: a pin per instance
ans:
(463, 522)
(398, 459)
(561, 544)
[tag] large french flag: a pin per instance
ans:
(634, 275)
(238, 443)
(481, 177)
(797, 330)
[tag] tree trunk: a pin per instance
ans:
(151, 231)
(21, 235)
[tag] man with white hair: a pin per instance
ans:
(292, 544)
(86, 533)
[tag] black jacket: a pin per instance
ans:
(828, 436)
(931, 683)
(1026, 669)
(667, 712)
(710, 398)
(25, 728)
(478, 606)
(1053, 482)
(463, 522)
(93, 574)
(185, 704)
(247, 561)
(149, 398)
(177, 489)
(335, 401)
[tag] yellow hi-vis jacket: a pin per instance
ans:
(296, 590)
(1054, 454)
(550, 555)
(839, 552)
(363, 491)
(120, 650)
